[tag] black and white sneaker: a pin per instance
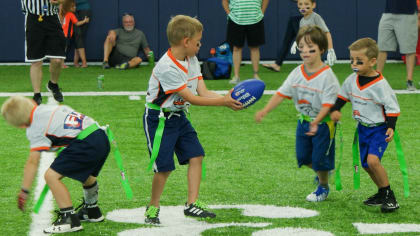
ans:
(37, 98)
(198, 209)
(89, 212)
(375, 200)
(390, 204)
(56, 91)
(65, 222)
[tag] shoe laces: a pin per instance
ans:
(152, 212)
(320, 190)
(59, 217)
(81, 205)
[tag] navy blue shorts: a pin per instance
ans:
(178, 136)
(317, 150)
(371, 141)
(83, 158)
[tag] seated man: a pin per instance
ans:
(122, 45)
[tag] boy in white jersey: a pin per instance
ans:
(173, 85)
(376, 109)
(313, 87)
(306, 8)
(49, 127)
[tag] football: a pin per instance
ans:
(248, 91)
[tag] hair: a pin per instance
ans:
(313, 1)
(180, 27)
(315, 35)
(17, 110)
(66, 7)
(369, 44)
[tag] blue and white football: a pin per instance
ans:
(248, 91)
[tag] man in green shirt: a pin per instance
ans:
(122, 45)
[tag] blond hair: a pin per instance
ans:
(369, 44)
(180, 27)
(314, 34)
(17, 110)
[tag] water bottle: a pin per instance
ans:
(101, 82)
(151, 58)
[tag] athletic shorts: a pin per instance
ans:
(254, 34)
(44, 39)
(178, 136)
(116, 58)
(318, 150)
(398, 30)
(371, 141)
(83, 158)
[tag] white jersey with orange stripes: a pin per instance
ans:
(170, 76)
(310, 93)
(55, 126)
(371, 101)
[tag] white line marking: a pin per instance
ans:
(365, 228)
(42, 220)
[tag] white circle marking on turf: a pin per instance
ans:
(365, 228)
(291, 232)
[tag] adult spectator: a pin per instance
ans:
(245, 21)
(289, 37)
(82, 11)
(122, 45)
(44, 39)
(398, 27)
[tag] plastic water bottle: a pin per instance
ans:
(151, 58)
(101, 82)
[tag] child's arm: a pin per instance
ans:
(329, 38)
(314, 124)
(204, 92)
(226, 100)
(275, 100)
(29, 173)
(82, 22)
(335, 113)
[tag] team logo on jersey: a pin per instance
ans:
(74, 120)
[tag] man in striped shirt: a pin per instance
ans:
(245, 21)
(44, 39)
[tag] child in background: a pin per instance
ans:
(313, 87)
(306, 8)
(376, 109)
(69, 20)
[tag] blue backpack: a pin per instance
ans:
(219, 66)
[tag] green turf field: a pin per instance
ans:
(247, 163)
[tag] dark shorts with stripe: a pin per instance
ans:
(178, 136)
(83, 158)
(317, 150)
(116, 58)
(371, 141)
(254, 34)
(44, 39)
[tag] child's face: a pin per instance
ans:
(306, 7)
(360, 63)
(309, 51)
(193, 44)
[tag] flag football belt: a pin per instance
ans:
(400, 156)
(371, 125)
(82, 135)
(159, 132)
(309, 119)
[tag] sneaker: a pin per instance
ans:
(105, 65)
(410, 86)
(198, 209)
(389, 204)
(152, 215)
(65, 222)
(234, 80)
(56, 91)
(122, 66)
(319, 195)
(89, 212)
(375, 200)
(37, 98)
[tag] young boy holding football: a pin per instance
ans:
(313, 87)
(375, 108)
(49, 127)
(173, 85)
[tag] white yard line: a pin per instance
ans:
(42, 220)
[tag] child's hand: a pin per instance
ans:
(390, 134)
(331, 57)
(22, 197)
(335, 116)
(232, 103)
(86, 19)
(293, 48)
(313, 128)
(260, 115)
